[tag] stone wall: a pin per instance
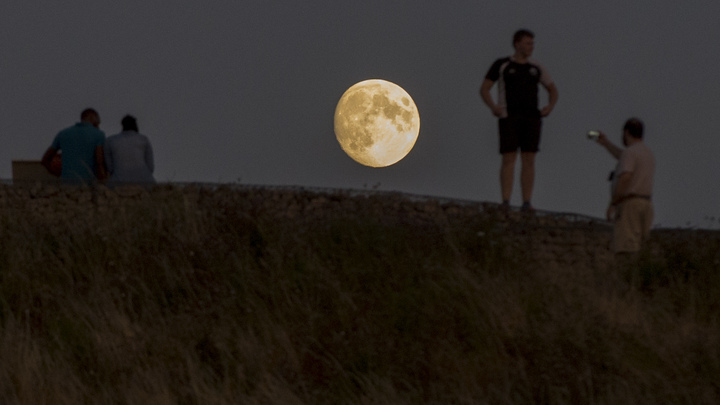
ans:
(547, 239)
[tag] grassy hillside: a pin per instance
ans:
(213, 297)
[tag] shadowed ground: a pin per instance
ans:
(218, 294)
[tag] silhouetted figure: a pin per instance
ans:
(129, 156)
(82, 150)
(630, 208)
(520, 120)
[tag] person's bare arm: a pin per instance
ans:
(48, 157)
(552, 100)
(487, 98)
(100, 163)
(614, 150)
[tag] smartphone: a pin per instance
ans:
(593, 134)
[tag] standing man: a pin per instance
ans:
(630, 207)
(520, 120)
(82, 150)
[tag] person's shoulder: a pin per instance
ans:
(625, 153)
(87, 128)
(501, 61)
(69, 129)
(494, 72)
(64, 135)
(98, 133)
(643, 148)
(545, 77)
(636, 150)
(536, 62)
(97, 136)
(133, 134)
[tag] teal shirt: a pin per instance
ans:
(78, 144)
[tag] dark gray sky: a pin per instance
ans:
(245, 91)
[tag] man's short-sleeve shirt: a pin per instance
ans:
(518, 85)
(78, 144)
(640, 161)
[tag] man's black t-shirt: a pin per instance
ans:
(518, 85)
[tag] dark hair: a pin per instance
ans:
(129, 123)
(634, 127)
(87, 113)
(520, 34)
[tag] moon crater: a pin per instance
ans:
(376, 123)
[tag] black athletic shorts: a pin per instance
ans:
(519, 132)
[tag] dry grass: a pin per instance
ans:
(174, 299)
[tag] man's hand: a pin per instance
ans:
(487, 98)
(47, 158)
(553, 96)
(498, 111)
(100, 164)
(602, 139)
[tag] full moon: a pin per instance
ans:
(376, 123)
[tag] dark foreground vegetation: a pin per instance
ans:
(202, 298)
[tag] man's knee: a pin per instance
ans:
(528, 158)
(508, 159)
(528, 162)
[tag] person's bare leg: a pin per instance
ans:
(507, 173)
(527, 175)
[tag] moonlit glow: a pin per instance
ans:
(376, 123)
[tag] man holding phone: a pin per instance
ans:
(630, 208)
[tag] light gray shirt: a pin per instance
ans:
(640, 161)
(129, 158)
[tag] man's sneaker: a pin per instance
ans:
(505, 206)
(526, 207)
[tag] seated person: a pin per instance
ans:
(129, 156)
